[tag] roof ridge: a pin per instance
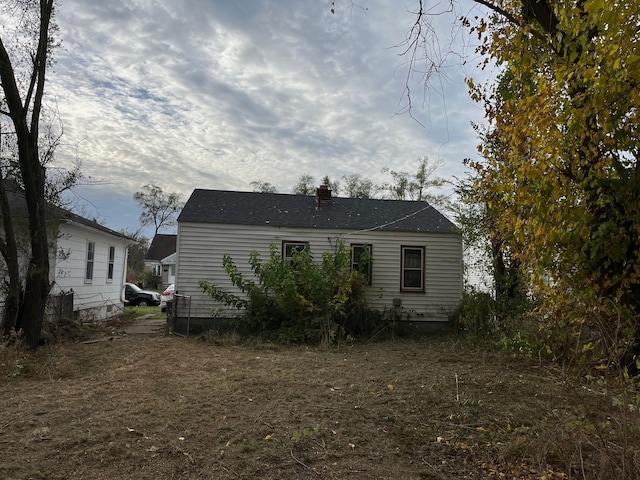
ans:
(358, 214)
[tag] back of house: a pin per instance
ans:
(415, 271)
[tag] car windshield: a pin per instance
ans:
(135, 288)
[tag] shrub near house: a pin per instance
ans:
(301, 300)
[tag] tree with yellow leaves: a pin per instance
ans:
(564, 185)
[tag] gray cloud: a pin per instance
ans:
(216, 94)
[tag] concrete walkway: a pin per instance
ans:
(146, 325)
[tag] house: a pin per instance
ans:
(87, 263)
(416, 251)
(161, 258)
(89, 260)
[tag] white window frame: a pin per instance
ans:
(287, 253)
(90, 262)
(111, 264)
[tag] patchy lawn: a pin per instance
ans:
(165, 407)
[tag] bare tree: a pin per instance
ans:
(158, 208)
(137, 251)
(22, 75)
(305, 185)
(419, 186)
(357, 187)
(263, 187)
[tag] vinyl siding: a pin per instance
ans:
(201, 248)
(68, 269)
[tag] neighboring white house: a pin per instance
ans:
(86, 259)
(91, 261)
(416, 251)
(168, 269)
(161, 259)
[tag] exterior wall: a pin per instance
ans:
(100, 297)
(168, 270)
(201, 248)
(153, 266)
(168, 274)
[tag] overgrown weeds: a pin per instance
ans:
(599, 435)
(301, 301)
(438, 407)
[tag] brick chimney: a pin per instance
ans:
(323, 196)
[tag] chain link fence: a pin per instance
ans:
(59, 307)
(179, 314)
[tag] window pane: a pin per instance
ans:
(413, 258)
(112, 256)
(88, 274)
(289, 249)
(413, 278)
(357, 251)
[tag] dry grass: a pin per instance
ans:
(163, 407)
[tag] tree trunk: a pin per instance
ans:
(9, 249)
(25, 116)
(37, 285)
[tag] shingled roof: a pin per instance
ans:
(18, 206)
(161, 247)
(284, 210)
(70, 217)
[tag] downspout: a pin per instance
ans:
(125, 262)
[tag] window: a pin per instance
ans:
(289, 248)
(412, 269)
(112, 259)
(91, 252)
(360, 263)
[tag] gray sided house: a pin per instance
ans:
(416, 252)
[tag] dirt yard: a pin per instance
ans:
(166, 407)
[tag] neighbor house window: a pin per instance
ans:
(91, 253)
(290, 248)
(359, 262)
(412, 269)
(112, 260)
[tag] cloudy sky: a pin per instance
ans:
(219, 93)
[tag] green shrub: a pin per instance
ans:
(150, 280)
(476, 313)
(298, 302)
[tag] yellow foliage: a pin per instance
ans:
(561, 175)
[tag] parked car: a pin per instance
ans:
(134, 295)
(167, 296)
